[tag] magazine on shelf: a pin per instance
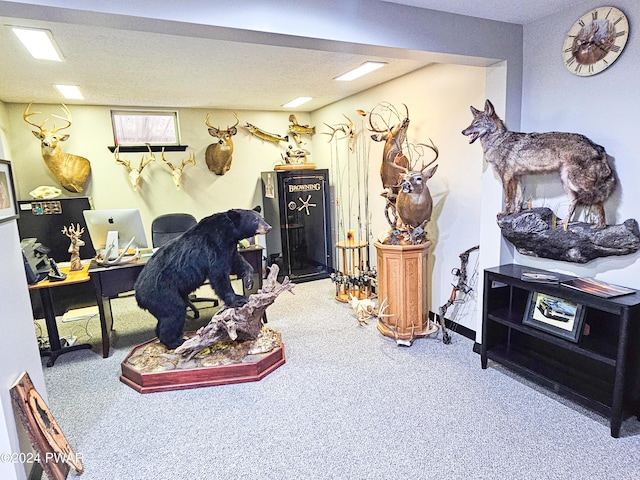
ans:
(539, 277)
(598, 287)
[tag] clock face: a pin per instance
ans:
(595, 41)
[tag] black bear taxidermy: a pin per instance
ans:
(208, 250)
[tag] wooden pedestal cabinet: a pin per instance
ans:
(601, 370)
(403, 283)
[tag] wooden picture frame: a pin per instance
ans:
(52, 450)
(554, 315)
(8, 201)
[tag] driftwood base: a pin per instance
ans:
(150, 367)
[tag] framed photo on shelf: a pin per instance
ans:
(8, 202)
(554, 315)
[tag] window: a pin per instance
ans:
(138, 127)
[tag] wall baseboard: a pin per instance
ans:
(454, 327)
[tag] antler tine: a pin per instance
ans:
(435, 150)
(151, 158)
(66, 110)
(374, 129)
(166, 161)
(206, 120)
(190, 160)
(399, 167)
(126, 163)
(27, 114)
(237, 121)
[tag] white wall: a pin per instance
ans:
(438, 98)
(18, 343)
(602, 107)
(203, 193)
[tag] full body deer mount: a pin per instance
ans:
(74, 234)
(176, 172)
(219, 155)
(70, 170)
(134, 174)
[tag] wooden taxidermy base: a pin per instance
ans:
(295, 166)
(403, 282)
(150, 367)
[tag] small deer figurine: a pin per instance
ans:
(176, 172)
(135, 176)
(74, 234)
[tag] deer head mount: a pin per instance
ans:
(70, 170)
(135, 176)
(414, 204)
(219, 155)
(176, 172)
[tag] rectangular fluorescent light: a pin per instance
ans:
(71, 92)
(366, 67)
(40, 43)
(296, 102)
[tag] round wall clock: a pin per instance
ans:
(595, 41)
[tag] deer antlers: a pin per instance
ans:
(64, 108)
(134, 173)
(176, 172)
(218, 130)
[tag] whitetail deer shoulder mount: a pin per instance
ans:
(219, 155)
(74, 234)
(135, 174)
(70, 170)
(176, 172)
(414, 204)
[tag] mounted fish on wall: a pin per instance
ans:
(70, 170)
(298, 130)
(264, 135)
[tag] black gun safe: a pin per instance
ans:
(296, 205)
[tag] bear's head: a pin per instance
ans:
(247, 223)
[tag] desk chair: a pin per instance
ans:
(167, 227)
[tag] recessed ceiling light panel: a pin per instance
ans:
(296, 102)
(39, 43)
(363, 69)
(71, 92)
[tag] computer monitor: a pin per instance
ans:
(127, 222)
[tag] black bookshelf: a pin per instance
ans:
(600, 371)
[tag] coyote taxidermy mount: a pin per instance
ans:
(585, 173)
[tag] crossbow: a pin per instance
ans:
(461, 285)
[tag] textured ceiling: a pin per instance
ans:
(124, 67)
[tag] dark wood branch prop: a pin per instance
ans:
(237, 324)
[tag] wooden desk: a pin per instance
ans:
(45, 288)
(109, 282)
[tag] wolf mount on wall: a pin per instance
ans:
(587, 178)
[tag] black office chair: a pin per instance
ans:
(167, 227)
